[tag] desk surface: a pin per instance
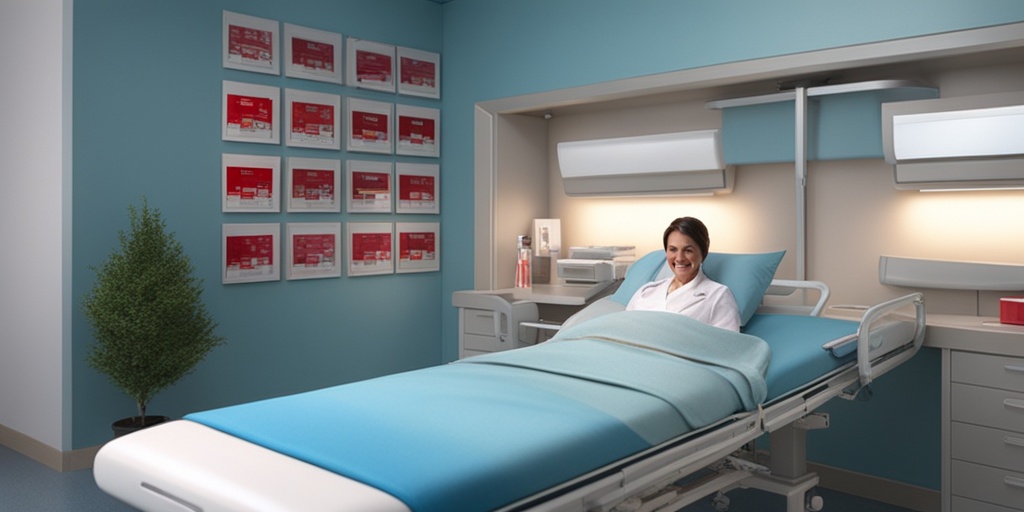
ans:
(556, 294)
(974, 333)
(561, 294)
(963, 332)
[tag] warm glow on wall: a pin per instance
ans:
(642, 222)
(964, 226)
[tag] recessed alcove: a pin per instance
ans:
(516, 178)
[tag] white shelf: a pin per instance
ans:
(950, 275)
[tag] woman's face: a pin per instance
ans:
(683, 256)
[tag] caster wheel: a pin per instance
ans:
(815, 503)
(720, 502)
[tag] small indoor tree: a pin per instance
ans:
(149, 322)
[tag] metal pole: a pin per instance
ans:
(801, 183)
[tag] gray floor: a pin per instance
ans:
(28, 486)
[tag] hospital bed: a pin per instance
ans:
(620, 411)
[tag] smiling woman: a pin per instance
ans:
(689, 291)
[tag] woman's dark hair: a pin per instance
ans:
(692, 228)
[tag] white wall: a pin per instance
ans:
(34, 201)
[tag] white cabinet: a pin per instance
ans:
(982, 412)
(495, 320)
(986, 431)
(490, 322)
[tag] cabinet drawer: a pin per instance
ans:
(965, 505)
(470, 353)
(991, 485)
(479, 321)
(988, 370)
(484, 343)
(988, 446)
(988, 407)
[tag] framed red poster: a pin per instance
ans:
(312, 54)
(313, 185)
(250, 113)
(313, 119)
(419, 131)
(369, 126)
(419, 73)
(250, 183)
(249, 253)
(313, 250)
(369, 186)
(369, 248)
(419, 246)
(369, 65)
(250, 43)
(418, 186)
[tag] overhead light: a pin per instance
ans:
(662, 164)
(959, 143)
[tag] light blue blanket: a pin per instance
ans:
(487, 431)
(665, 355)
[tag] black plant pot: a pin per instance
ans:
(128, 425)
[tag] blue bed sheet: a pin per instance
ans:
(486, 431)
(796, 344)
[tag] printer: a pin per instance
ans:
(596, 264)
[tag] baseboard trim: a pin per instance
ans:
(45, 454)
(874, 488)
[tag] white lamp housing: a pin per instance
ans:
(968, 142)
(662, 164)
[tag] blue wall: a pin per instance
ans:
(147, 99)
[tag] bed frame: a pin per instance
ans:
(647, 481)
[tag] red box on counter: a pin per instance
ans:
(1011, 310)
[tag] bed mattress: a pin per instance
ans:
(486, 431)
(798, 356)
(492, 429)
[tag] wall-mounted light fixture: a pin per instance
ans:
(664, 164)
(959, 143)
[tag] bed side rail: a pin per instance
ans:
(789, 288)
(872, 342)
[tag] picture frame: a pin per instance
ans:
(249, 113)
(418, 131)
(312, 119)
(419, 247)
(369, 126)
(370, 248)
(417, 188)
(419, 72)
(250, 43)
(313, 185)
(250, 183)
(313, 250)
(249, 253)
(369, 186)
(312, 54)
(369, 65)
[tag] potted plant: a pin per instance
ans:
(149, 322)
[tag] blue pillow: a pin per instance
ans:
(641, 272)
(747, 276)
